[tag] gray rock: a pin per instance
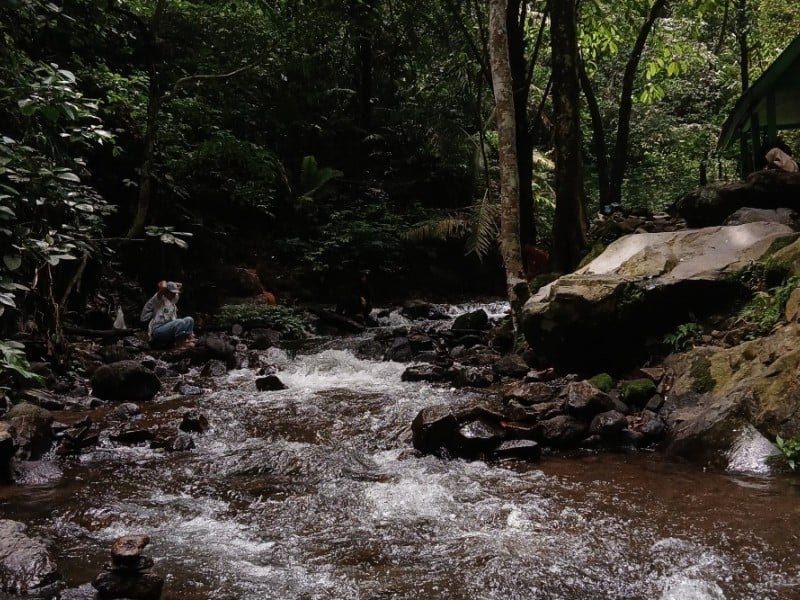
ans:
(33, 435)
(125, 380)
(26, 566)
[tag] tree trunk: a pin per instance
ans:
(362, 16)
(620, 160)
(598, 137)
(151, 126)
(742, 25)
(506, 132)
(517, 49)
(569, 227)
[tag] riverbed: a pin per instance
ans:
(315, 492)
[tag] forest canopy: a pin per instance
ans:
(312, 140)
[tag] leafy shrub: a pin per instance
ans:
(684, 337)
(279, 318)
(790, 449)
(767, 308)
(14, 367)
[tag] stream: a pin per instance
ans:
(314, 492)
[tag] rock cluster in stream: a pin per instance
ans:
(527, 415)
(128, 575)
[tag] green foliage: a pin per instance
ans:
(790, 449)
(279, 318)
(684, 337)
(702, 380)
(765, 309)
(14, 367)
(48, 213)
(313, 178)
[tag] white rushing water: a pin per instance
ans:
(314, 492)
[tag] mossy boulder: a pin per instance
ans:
(637, 391)
(603, 382)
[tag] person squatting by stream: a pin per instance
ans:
(165, 327)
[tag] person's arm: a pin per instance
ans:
(149, 308)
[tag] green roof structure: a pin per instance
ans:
(770, 104)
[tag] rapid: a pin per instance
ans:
(315, 492)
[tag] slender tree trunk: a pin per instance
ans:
(362, 16)
(151, 126)
(509, 177)
(569, 227)
(517, 50)
(619, 162)
(598, 137)
(742, 26)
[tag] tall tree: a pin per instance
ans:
(569, 227)
(506, 133)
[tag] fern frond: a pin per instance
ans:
(485, 226)
(446, 228)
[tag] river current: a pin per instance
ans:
(314, 492)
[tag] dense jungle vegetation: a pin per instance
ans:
(310, 140)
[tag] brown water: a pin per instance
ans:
(312, 492)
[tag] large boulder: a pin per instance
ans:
(719, 392)
(125, 380)
(26, 567)
(712, 204)
(642, 286)
(31, 427)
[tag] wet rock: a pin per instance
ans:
(475, 438)
(186, 389)
(270, 383)
(220, 346)
(128, 576)
(432, 428)
(528, 393)
(584, 401)
(26, 567)
(418, 309)
(82, 435)
(399, 350)
(42, 399)
(114, 353)
(194, 421)
(263, 339)
(608, 424)
(214, 368)
(561, 431)
(173, 443)
(32, 426)
(522, 449)
(468, 341)
(655, 403)
(420, 342)
(545, 410)
(476, 320)
(425, 372)
(125, 380)
(125, 551)
(511, 365)
(651, 425)
(7, 450)
(466, 376)
(125, 411)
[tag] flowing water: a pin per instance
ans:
(313, 492)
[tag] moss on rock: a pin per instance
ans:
(637, 391)
(602, 381)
